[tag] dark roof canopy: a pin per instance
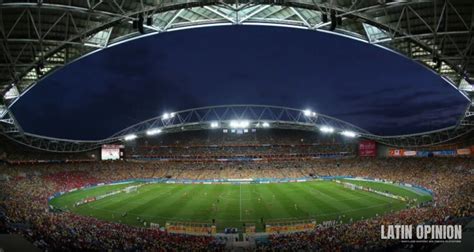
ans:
(38, 37)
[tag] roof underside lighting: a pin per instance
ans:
(152, 132)
(326, 129)
(348, 133)
(239, 124)
(130, 137)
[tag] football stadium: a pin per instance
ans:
(281, 125)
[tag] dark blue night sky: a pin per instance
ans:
(373, 88)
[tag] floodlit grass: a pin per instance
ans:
(232, 205)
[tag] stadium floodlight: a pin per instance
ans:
(265, 124)
(130, 137)
(348, 133)
(234, 124)
(244, 124)
(239, 124)
(308, 113)
(167, 116)
(326, 129)
(152, 132)
(214, 125)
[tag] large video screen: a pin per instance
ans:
(367, 148)
(112, 152)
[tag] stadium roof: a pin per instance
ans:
(38, 37)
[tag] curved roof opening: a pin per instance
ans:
(370, 87)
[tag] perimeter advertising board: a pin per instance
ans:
(464, 152)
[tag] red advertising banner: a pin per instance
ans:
(396, 153)
(472, 150)
(367, 148)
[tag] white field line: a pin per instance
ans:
(240, 204)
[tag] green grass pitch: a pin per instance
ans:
(232, 205)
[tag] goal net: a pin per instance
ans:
(131, 189)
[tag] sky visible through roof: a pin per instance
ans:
(370, 87)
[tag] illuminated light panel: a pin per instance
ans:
(152, 132)
(326, 129)
(239, 124)
(348, 133)
(130, 137)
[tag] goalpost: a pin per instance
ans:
(131, 189)
(350, 186)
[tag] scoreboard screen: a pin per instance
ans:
(112, 152)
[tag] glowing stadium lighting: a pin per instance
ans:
(167, 116)
(239, 124)
(214, 125)
(244, 124)
(265, 124)
(326, 129)
(130, 137)
(152, 132)
(309, 113)
(234, 124)
(348, 133)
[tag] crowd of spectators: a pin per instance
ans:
(233, 151)
(451, 181)
(24, 210)
(267, 143)
(26, 188)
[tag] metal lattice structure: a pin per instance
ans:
(223, 117)
(255, 115)
(38, 37)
